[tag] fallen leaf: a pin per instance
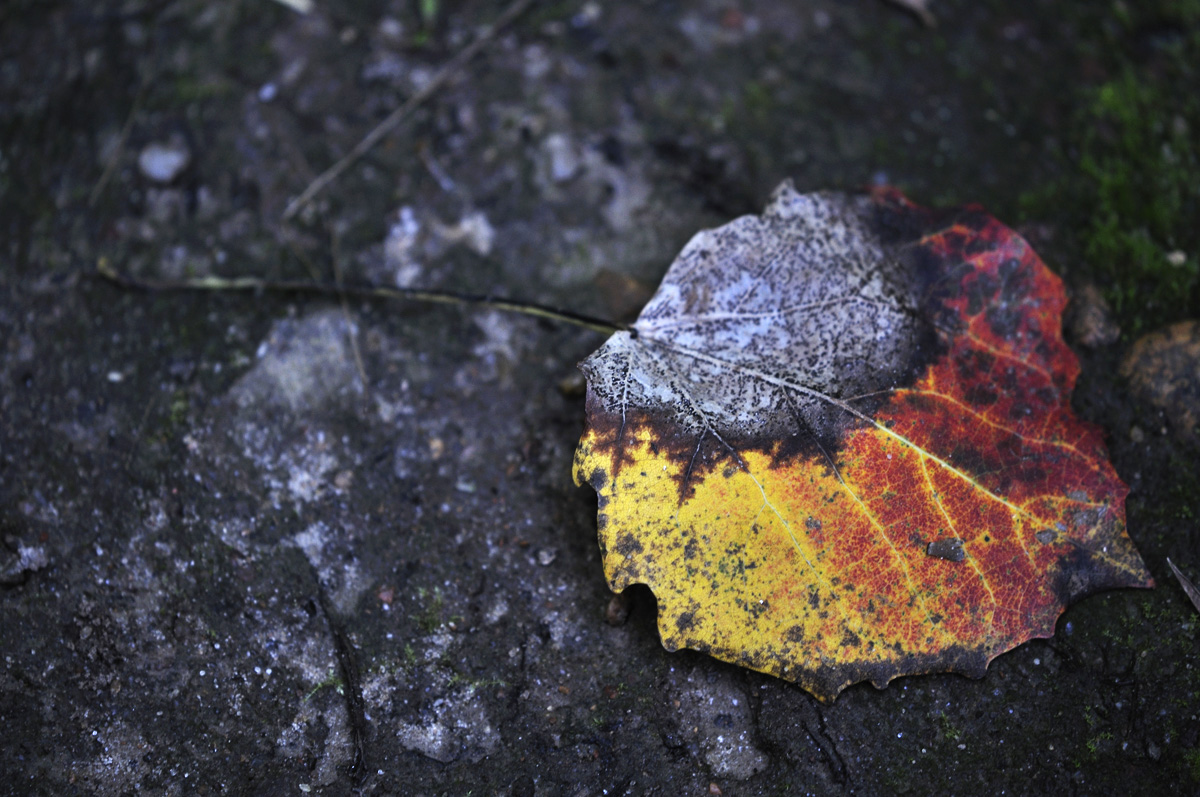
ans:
(1189, 588)
(838, 446)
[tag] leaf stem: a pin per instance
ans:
(238, 284)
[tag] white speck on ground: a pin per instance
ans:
(162, 162)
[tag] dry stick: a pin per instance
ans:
(400, 114)
(228, 284)
(119, 147)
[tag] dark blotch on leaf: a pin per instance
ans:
(979, 293)
(971, 461)
(628, 545)
(1003, 320)
(973, 365)
(981, 395)
(949, 549)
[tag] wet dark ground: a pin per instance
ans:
(262, 544)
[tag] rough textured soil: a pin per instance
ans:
(264, 544)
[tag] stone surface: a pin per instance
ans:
(195, 518)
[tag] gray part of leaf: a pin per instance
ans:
(714, 351)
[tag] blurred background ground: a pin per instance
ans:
(268, 544)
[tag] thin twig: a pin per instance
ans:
(119, 147)
(105, 269)
(400, 114)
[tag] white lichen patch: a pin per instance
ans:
(454, 726)
(303, 364)
(714, 713)
(346, 580)
(299, 471)
(323, 721)
(311, 655)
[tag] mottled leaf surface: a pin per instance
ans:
(838, 446)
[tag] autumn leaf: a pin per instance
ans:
(1189, 588)
(838, 446)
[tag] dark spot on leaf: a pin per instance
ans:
(977, 221)
(979, 293)
(1033, 474)
(973, 365)
(1047, 396)
(1014, 281)
(628, 545)
(950, 549)
(1004, 320)
(919, 402)
(970, 460)
(685, 621)
(980, 395)
(1018, 410)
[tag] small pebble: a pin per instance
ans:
(618, 609)
(562, 160)
(163, 162)
(1092, 324)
